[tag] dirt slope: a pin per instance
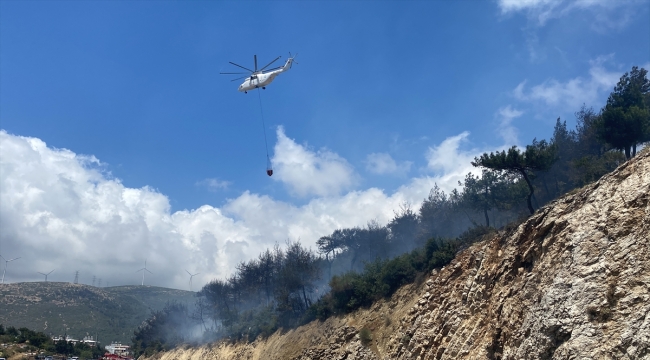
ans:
(573, 281)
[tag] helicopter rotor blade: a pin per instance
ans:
(232, 73)
(239, 78)
(241, 66)
(267, 65)
(255, 57)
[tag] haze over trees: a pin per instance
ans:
(352, 267)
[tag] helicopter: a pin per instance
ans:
(260, 78)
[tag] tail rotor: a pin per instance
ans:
(292, 58)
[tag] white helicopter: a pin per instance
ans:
(260, 78)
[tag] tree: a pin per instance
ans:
(403, 228)
(12, 331)
(539, 156)
(220, 297)
(328, 246)
(437, 215)
(163, 330)
(490, 190)
(363, 243)
(559, 173)
(625, 120)
(588, 142)
(64, 347)
(200, 313)
(298, 273)
(592, 158)
(268, 271)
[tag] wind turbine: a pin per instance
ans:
(144, 270)
(46, 274)
(191, 276)
(6, 262)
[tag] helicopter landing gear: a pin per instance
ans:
(263, 87)
(245, 92)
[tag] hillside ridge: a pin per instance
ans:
(57, 308)
(572, 281)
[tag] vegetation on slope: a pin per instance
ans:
(355, 266)
(110, 314)
(29, 341)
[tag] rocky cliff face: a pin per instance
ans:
(573, 281)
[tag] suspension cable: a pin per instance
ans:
(263, 125)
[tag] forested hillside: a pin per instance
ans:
(290, 285)
(107, 313)
(570, 282)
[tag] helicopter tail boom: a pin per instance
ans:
(287, 65)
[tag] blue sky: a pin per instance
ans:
(114, 114)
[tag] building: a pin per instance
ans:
(117, 349)
(56, 339)
(90, 341)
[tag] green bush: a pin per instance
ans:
(381, 278)
(349, 292)
(252, 323)
(443, 256)
(398, 272)
(365, 335)
(12, 331)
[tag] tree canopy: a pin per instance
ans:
(538, 156)
(492, 189)
(625, 119)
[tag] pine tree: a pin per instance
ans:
(625, 120)
(539, 156)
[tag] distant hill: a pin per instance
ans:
(57, 308)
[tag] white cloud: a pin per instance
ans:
(542, 10)
(571, 94)
(383, 163)
(607, 14)
(305, 172)
(449, 163)
(446, 157)
(214, 184)
(506, 130)
(58, 210)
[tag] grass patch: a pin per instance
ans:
(365, 335)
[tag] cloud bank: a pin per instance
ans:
(383, 163)
(213, 184)
(571, 94)
(607, 14)
(306, 172)
(508, 132)
(61, 210)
